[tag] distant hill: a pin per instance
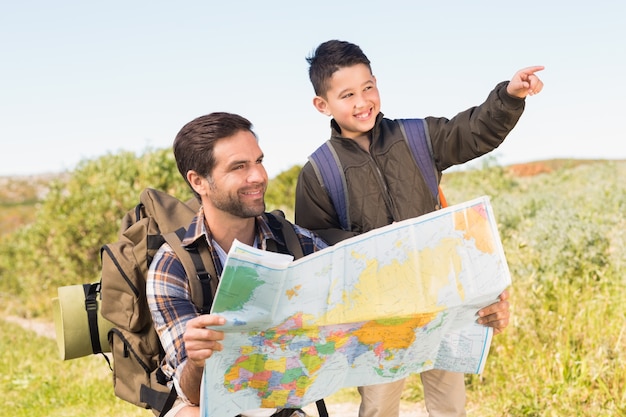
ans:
(19, 196)
(547, 166)
(25, 188)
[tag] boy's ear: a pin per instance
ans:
(321, 105)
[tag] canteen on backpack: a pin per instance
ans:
(76, 335)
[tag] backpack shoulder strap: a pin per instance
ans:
(278, 223)
(194, 262)
(330, 174)
(199, 267)
(416, 134)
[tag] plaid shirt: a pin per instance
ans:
(167, 288)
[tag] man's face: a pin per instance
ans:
(239, 180)
(352, 100)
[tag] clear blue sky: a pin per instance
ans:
(80, 79)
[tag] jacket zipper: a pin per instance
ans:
(381, 180)
(391, 207)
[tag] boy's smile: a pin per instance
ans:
(352, 100)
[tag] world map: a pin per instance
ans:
(372, 309)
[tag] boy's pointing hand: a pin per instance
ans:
(525, 82)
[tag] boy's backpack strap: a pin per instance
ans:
(330, 174)
(198, 263)
(415, 133)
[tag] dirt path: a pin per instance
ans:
(41, 328)
(334, 409)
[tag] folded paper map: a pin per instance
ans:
(372, 309)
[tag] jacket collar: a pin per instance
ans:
(336, 130)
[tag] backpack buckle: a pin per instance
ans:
(204, 276)
(91, 304)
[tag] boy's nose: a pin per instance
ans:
(361, 101)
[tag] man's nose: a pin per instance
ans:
(257, 174)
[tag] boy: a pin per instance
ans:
(384, 184)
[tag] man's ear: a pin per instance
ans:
(197, 182)
(321, 105)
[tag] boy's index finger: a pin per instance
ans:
(533, 69)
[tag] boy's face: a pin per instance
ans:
(352, 100)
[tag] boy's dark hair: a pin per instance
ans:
(329, 57)
(193, 146)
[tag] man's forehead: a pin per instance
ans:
(241, 147)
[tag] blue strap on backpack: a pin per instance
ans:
(330, 173)
(414, 131)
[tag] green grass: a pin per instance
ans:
(35, 382)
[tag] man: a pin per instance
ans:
(219, 157)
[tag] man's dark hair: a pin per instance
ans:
(329, 57)
(193, 146)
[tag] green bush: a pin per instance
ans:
(78, 215)
(281, 192)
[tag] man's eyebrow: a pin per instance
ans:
(237, 162)
(244, 161)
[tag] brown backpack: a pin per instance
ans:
(135, 346)
(134, 343)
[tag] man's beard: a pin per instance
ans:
(232, 204)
